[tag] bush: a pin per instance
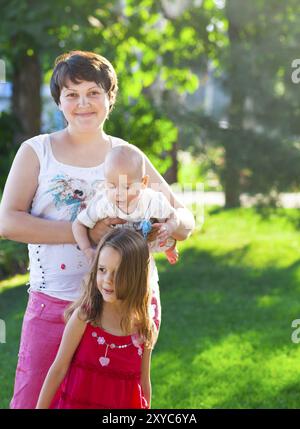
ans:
(8, 126)
(13, 258)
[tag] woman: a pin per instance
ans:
(52, 178)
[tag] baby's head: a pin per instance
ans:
(125, 178)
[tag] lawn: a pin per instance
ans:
(228, 306)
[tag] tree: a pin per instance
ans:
(252, 48)
(31, 33)
(134, 35)
(146, 50)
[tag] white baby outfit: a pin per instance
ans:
(151, 204)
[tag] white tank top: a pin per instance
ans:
(63, 191)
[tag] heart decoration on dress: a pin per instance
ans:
(104, 360)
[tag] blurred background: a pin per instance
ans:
(210, 91)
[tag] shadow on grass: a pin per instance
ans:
(225, 335)
(12, 306)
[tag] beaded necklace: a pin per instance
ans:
(104, 360)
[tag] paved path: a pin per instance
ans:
(287, 200)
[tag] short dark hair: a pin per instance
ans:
(82, 65)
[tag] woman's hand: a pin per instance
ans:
(103, 227)
(165, 230)
(152, 236)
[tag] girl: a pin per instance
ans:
(106, 346)
(40, 202)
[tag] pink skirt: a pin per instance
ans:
(42, 330)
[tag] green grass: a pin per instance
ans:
(228, 305)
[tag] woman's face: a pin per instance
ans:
(108, 263)
(84, 105)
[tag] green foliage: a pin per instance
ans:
(31, 26)
(8, 126)
(140, 41)
(145, 127)
(264, 111)
(144, 48)
(251, 46)
(13, 258)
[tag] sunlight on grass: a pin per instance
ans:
(17, 280)
(280, 369)
(267, 301)
(235, 368)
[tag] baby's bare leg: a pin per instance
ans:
(172, 255)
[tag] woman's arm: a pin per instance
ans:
(15, 221)
(186, 218)
(81, 236)
(73, 333)
(145, 375)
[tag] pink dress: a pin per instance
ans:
(105, 372)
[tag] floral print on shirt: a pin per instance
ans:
(70, 193)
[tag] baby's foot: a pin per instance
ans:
(172, 255)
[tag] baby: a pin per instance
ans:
(127, 196)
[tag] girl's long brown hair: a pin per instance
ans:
(132, 285)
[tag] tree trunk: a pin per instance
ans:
(233, 142)
(231, 175)
(171, 175)
(169, 101)
(26, 98)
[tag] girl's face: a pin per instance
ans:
(84, 105)
(108, 263)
